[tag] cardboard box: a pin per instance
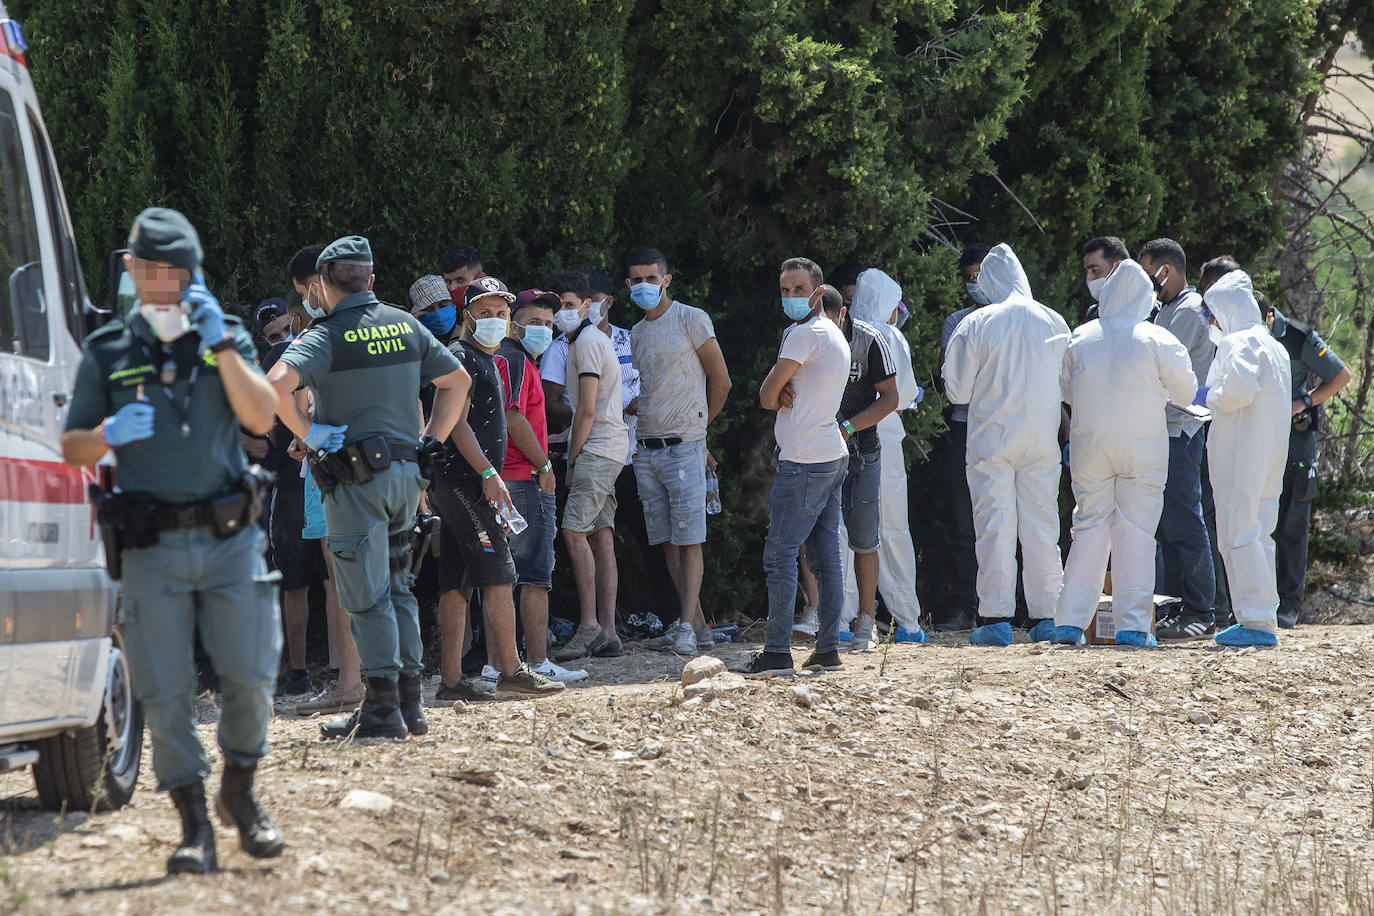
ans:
(1102, 631)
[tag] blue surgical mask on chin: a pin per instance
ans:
(646, 295)
(537, 339)
(441, 320)
(796, 307)
(976, 294)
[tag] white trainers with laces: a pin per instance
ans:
(686, 642)
(557, 672)
(668, 640)
(705, 641)
(490, 676)
(808, 622)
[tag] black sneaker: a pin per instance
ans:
(295, 682)
(769, 664)
(1185, 626)
(1287, 618)
(823, 661)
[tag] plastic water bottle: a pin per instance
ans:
(514, 521)
(712, 493)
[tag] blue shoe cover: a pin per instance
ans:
(1069, 636)
(846, 636)
(905, 635)
(1043, 631)
(1237, 635)
(994, 634)
(1135, 638)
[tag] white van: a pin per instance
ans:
(66, 698)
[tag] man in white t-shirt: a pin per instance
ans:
(805, 387)
(598, 442)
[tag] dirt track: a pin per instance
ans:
(944, 778)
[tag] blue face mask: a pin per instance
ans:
(976, 294)
(796, 307)
(646, 295)
(441, 320)
(537, 339)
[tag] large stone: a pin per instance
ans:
(701, 668)
(716, 686)
(363, 800)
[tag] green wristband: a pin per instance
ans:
(848, 427)
(548, 466)
(489, 473)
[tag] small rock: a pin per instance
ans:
(94, 842)
(440, 877)
(801, 695)
(125, 833)
(649, 749)
(750, 722)
(318, 864)
(701, 668)
(921, 702)
(1078, 784)
(1200, 717)
(363, 800)
(831, 730)
(1074, 733)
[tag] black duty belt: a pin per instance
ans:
(660, 443)
(192, 515)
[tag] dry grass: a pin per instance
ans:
(928, 779)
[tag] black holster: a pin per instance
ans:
(126, 520)
(425, 534)
(355, 463)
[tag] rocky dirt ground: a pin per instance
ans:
(929, 778)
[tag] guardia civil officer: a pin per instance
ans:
(166, 387)
(366, 361)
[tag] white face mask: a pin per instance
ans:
(167, 321)
(566, 320)
(489, 332)
(1215, 335)
(1095, 288)
(311, 310)
(594, 311)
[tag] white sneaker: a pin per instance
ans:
(490, 676)
(668, 640)
(864, 638)
(705, 641)
(557, 673)
(686, 642)
(808, 622)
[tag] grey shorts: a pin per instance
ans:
(672, 489)
(860, 501)
(591, 494)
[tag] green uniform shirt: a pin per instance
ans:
(1314, 357)
(169, 466)
(367, 361)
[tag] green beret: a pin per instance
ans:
(351, 249)
(160, 234)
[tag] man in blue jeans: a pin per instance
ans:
(805, 387)
(1184, 561)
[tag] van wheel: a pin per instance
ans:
(96, 768)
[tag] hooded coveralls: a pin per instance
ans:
(1250, 395)
(1118, 374)
(1004, 362)
(875, 298)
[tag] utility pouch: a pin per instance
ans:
(256, 483)
(228, 513)
(110, 535)
(425, 533)
(376, 452)
(325, 468)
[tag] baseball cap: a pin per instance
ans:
(486, 286)
(427, 291)
(269, 310)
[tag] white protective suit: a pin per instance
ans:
(1004, 362)
(1250, 391)
(875, 299)
(1118, 374)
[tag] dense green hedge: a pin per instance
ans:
(730, 134)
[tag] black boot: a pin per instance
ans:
(412, 710)
(196, 853)
(239, 808)
(378, 717)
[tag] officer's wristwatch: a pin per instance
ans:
(1307, 399)
(225, 344)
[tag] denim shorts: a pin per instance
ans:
(672, 489)
(860, 501)
(314, 511)
(533, 547)
(591, 494)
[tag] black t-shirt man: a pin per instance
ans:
(870, 362)
(486, 415)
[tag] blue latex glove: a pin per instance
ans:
(1065, 454)
(1201, 399)
(920, 395)
(323, 437)
(130, 423)
(204, 312)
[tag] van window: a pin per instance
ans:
(23, 312)
(68, 267)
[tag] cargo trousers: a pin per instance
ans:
(384, 616)
(192, 580)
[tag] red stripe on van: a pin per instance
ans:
(25, 481)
